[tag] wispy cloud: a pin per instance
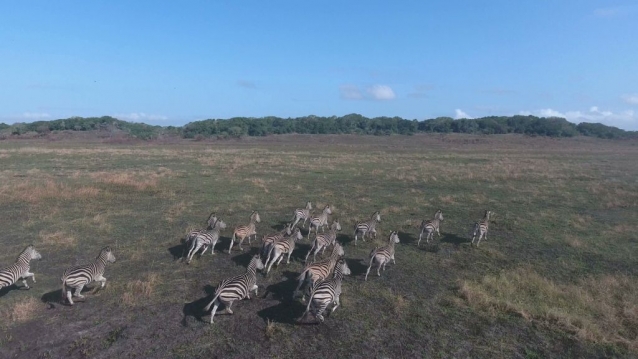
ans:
(458, 113)
(35, 115)
(631, 99)
(381, 92)
(374, 92)
(246, 84)
(625, 119)
(140, 117)
(350, 92)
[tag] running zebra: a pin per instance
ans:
(327, 292)
(240, 233)
(210, 222)
(320, 221)
(205, 239)
(367, 227)
(281, 247)
(20, 269)
(480, 228)
(430, 226)
(79, 276)
(302, 213)
(236, 288)
(269, 239)
(319, 271)
(324, 240)
(383, 255)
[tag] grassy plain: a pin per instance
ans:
(557, 276)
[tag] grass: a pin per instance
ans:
(555, 278)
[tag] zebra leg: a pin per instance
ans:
(368, 271)
(288, 259)
(311, 248)
(26, 286)
(29, 274)
(228, 310)
(212, 248)
(378, 269)
(68, 296)
(194, 248)
(212, 315)
(355, 238)
(281, 257)
(255, 289)
(393, 261)
(419, 242)
(336, 304)
(232, 241)
(78, 291)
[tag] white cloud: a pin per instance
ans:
(140, 117)
(350, 92)
(626, 119)
(458, 113)
(35, 115)
(381, 92)
(631, 99)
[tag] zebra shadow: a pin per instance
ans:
(344, 238)
(245, 257)
(195, 309)
(280, 226)
(288, 310)
(177, 251)
(454, 239)
(357, 266)
(5, 290)
(407, 238)
(55, 296)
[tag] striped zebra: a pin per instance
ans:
(480, 228)
(319, 270)
(367, 227)
(324, 240)
(269, 239)
(240, 233)
(383, 255)
(205, 239)
(210, 222)
(320, 221)
(236, 288)
(20, 269)
(327, 292)
(302, 213)
(279, 248)
(79, 276)
(431, 226)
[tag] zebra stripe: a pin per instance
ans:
(431, 226)
(240, 233)
(480, 228)
(383, 255)
(322, 241)
(205, 239)
(269, 239)
(320, 221)
(367, 227)
(327, 292)
(79, 276)
(20, 269)
(210, 222)
(301, 213)
(281, 247)
(319, 270)
(236, 288)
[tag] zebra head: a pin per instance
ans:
(107, 254)
(257, 261)
(308, 205)
(377, 216)
(345, 270)
(338, 248)
(33, 254)
(488, 214)
(336, 225)
(394, 237)
(438, 215)
(220, 224)
(212, 219)
(327, 209)
(297, 234)
(255, 216)
(288, 228)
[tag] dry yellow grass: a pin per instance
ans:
(56, 238)
(138, 291)
(21, 311)
(34, 192)
(599, 309)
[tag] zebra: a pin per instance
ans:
(20, 269)
(240, 233)
(269, 239)
(236, 288)
(319, 270)
(366, 227)
(480, 228)
(327, 292)
(210, 222)
(79, 276)
(431, 226)
(383, 255)
(281, 247)
(324, 240)
(205, 239)
(320, 221)
(302, 213)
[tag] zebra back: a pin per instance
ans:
(12, 273)
(386, 251)
(237, 287)
(86, 273)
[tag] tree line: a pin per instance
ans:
(349, 124)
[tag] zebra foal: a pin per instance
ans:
(78, 276)
(367, 227)
(480, 228)
(430, 226)
(301, 213)
(236, 288)
(240, 233)
(326, 292)
(320, 221)
(20, 269)
(383, 255)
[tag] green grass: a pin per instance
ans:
(555, 278)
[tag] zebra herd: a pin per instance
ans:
(323, 277)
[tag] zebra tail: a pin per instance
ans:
(212, 301)
(63, 290)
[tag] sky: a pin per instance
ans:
(170, 63)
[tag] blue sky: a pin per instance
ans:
(176, 62)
